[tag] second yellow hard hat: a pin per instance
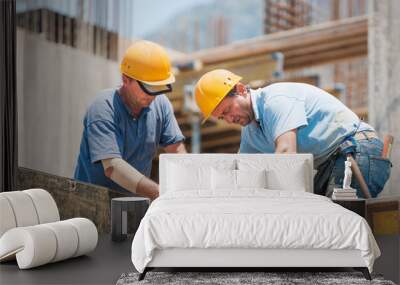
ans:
(212, 88)
(147, 62)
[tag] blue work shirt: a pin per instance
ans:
(110, 130)
(321, 120)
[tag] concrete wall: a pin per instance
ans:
(74, 199)
(55, 84)
(384, 78)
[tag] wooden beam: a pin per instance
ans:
(326, 57)
(327, 46)
(212, 130)
(313, 80)
(288, 41)
(229, 140)
(224, 149)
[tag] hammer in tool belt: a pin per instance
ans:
(387, 148)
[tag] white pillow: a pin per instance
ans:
(292, 179)
(223, 179)
(282, 173)
(251, 179)
(188, 177)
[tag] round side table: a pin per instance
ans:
(120, 207)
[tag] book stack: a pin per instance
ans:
(344, 194)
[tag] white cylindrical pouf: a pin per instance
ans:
(7, 218)
(67, 239)
(34, 246)
(45, 205)
(40, 244)
(23, 207)
(87, 234)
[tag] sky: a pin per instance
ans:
(150, 14)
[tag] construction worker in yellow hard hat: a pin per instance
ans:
(124, 126)
(289, 117)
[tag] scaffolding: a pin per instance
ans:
(282, 15)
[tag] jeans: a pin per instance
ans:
(374, 168)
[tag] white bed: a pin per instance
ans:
(242, 210)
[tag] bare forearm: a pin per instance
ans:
(176, 148)
(147, 188)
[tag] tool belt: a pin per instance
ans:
(350, 143)
(365, 135)
(348, 146)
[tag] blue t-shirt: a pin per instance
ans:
(321, 120)
(110, 130)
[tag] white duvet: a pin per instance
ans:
(250, 219)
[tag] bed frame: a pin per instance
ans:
(242, 259)
(245, 258)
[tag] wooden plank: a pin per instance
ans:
(59, 28)
(224, 149)
(44, 22)
(331, 45)
(383, 215)
(296, 39)
(218, 129)
(313, 80)
(386, 222)
(52, 26)
(235, 139)
(326, 57)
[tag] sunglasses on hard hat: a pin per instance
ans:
(154, 90)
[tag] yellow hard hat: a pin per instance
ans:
(147, 62)
(212, 88)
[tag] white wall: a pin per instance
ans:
(55, 84)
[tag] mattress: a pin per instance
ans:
(250, 219)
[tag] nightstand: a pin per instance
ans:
(357, 205)
(121, 209)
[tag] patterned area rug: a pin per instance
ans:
(225, 278)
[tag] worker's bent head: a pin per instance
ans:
(220, 94)
(149, 65)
